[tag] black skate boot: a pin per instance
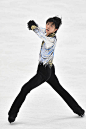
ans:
(12, 114)
(12, 117)
(80, 112)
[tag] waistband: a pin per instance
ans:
(45, 65)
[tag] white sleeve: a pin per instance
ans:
(49, 41)
(42, 29)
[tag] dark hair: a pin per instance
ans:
(56, 20)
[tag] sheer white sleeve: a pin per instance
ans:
(41, 32)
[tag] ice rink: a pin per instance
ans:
(19, 54)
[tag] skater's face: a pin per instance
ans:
(50, 28)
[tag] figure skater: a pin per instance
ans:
(45, 70)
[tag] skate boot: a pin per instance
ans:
(12, 117)
(80, 112)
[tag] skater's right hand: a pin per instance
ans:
(30, 23)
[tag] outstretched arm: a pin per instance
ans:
(49, 41)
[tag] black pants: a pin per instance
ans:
(44, 74)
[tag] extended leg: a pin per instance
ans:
(43, 73)
(31, 84)
(53, 81)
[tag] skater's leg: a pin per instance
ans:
(31, 84)
(53, 81)
(43, 73)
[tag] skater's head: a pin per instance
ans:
(53, 24)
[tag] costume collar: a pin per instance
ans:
(51, 35)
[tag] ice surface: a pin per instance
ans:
(19, 53)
